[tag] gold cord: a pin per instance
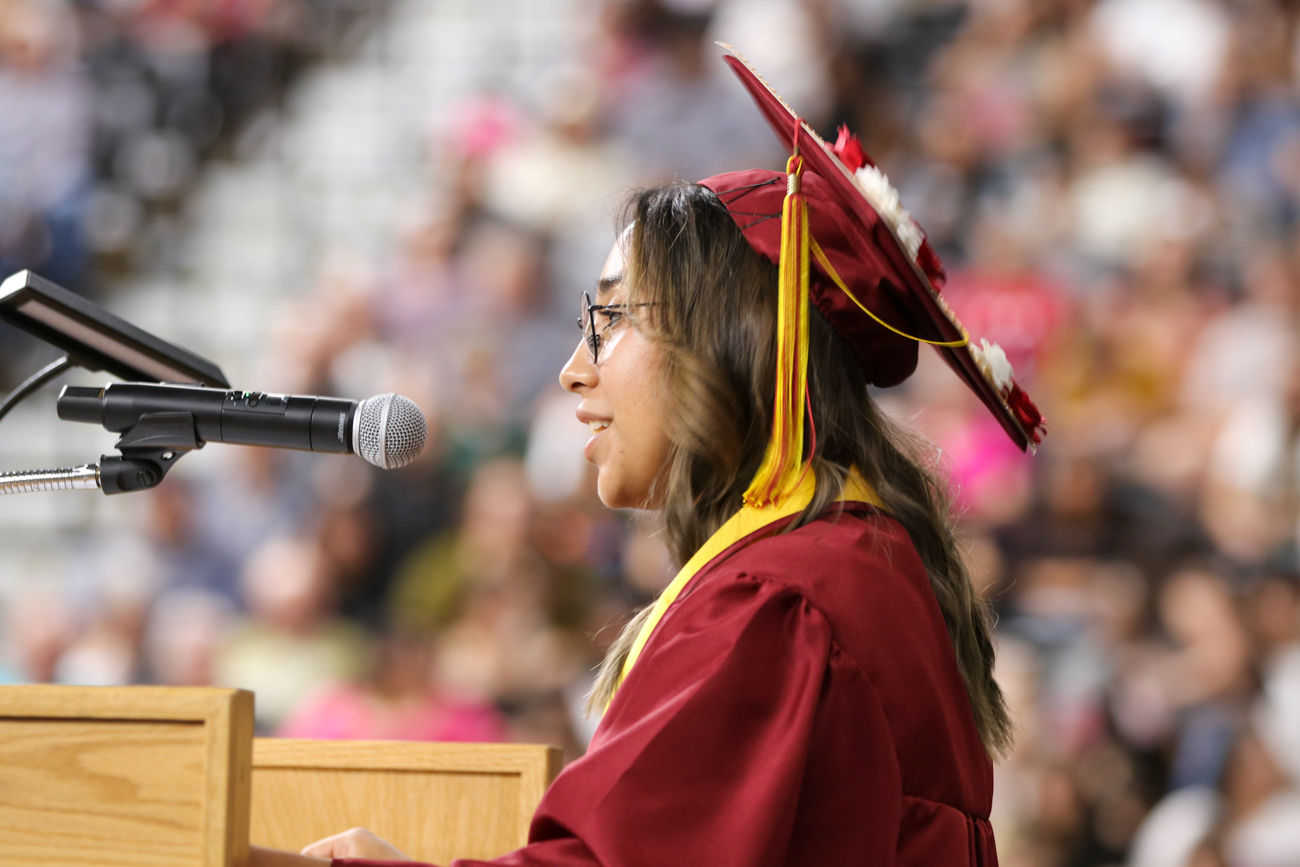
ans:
(830, 272)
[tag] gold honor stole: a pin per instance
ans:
(749, 520)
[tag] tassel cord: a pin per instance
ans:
(779, 471)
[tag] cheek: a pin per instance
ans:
(649, 441)
(641, 416)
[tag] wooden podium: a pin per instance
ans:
(132, 776)
(168, 777)
(435, 802)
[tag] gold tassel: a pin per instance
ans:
(782, 467)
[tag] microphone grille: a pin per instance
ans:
(390, 430)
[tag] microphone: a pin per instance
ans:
(387, 430)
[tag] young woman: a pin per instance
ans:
(815, 687)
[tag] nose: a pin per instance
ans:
(579, 373)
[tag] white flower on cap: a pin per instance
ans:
(884, 198)
(992, 362)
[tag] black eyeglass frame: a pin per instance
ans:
(587, 321)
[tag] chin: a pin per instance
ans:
(615, 493)
(612, 499)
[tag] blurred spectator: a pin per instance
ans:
(186, 631)
(39, 628)
(490, 544)
(679, 114)
(396, 702)
(187, 555)
(110, 602)
(1208, 677)
(498, 595)
(291, 642)
(1261, 808)
(1177, 46)
(44, 140)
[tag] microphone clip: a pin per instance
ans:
(148, 449)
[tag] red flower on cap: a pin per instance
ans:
(1026, 412)
(849, 150)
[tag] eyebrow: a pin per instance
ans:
(605, 284)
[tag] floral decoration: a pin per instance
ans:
(992, 361)
(875, 187)
(989, 357)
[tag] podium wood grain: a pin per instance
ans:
(435, 802)
(141, 776)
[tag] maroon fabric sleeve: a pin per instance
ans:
(702, 754)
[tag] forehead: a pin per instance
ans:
(611, 274)
(614, 261)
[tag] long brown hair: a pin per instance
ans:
(713, 311)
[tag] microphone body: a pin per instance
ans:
(387, 430)
(319, 424)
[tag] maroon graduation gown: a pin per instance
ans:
(799, 704)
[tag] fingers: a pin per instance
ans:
(355, 843)
(335, 846)
(260, 857)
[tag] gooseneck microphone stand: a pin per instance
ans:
(82, 478)
(148, 451)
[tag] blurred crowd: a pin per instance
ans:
(1114, 186)
(108, 108)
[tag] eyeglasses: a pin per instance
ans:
(608, 316)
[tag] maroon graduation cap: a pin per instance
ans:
(841, 240)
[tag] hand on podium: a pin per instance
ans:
(356, 843)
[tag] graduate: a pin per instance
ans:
(815, 687)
